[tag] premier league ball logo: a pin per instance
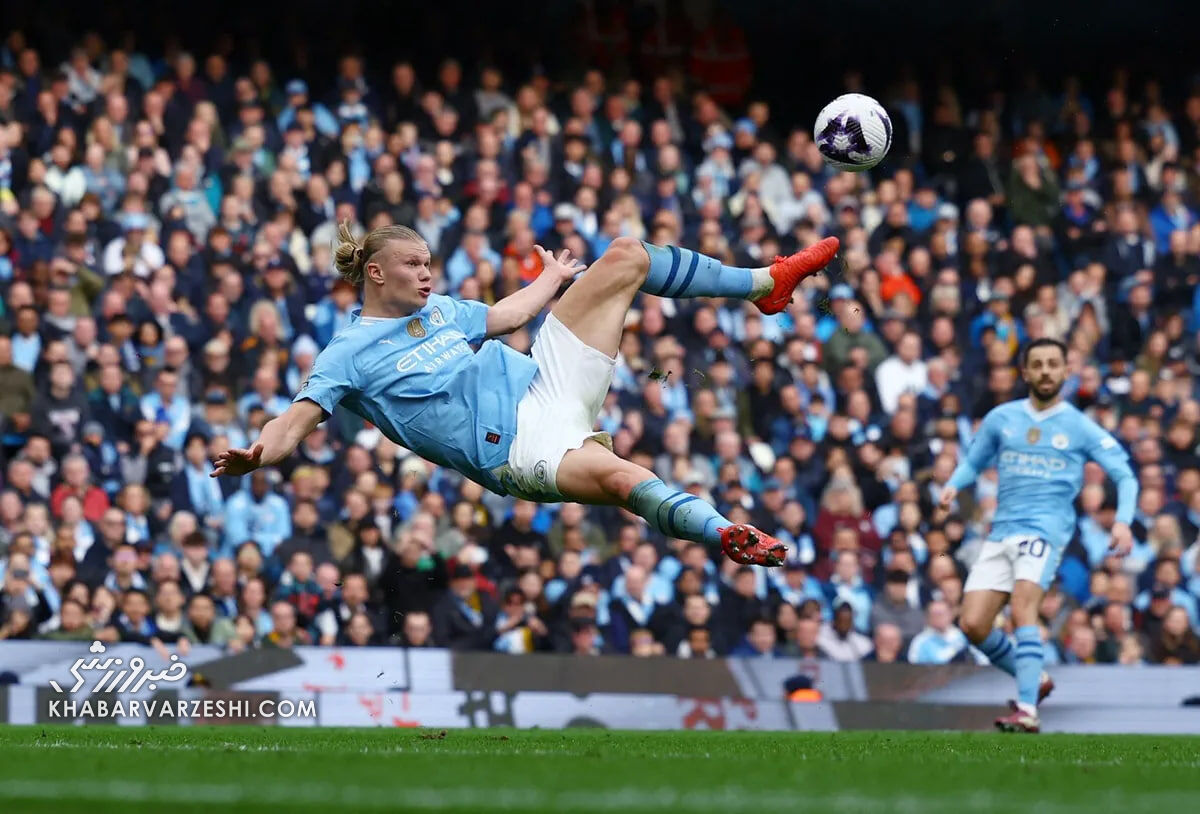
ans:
(853, 132)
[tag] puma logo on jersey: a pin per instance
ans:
(386, 342)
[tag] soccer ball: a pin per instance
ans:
(853, 132)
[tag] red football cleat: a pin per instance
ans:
(1018, 720)
(789, 271)
(749, 546)
(1045, 687)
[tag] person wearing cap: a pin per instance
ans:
(745, 138)
(998, 318)
(1168, 585)
(464, 618)
(220, 418)
(566, 226)
(296, 93)
(101, 453)
(717, 167)
(134, 251)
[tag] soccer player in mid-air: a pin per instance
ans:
(517, 424)
(1039, 446)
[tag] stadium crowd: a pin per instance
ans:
(165, 259)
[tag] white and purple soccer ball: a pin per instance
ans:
(853, 132)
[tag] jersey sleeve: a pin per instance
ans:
(1105, 450)
(333, 375)
(981, 452)
(470, 316)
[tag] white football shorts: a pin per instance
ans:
(1019, 556)
(558, 413)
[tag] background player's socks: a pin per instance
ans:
(999, 651)
(1029, 665)
(676, 272)
(677, 514)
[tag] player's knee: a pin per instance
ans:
(619, 483)
(628, 260)
(976, 630)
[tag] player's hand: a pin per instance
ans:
(238, 462)
(564, 267)
(1122, 540)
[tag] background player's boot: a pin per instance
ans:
(1045, 687)
(789, 271)
(1019, 719)
(749, 546)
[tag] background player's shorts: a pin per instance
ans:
(558, 413)
(1018, 556)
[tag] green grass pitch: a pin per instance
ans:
(241, 769)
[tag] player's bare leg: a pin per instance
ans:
(593, 474)
(1023, 715)
(594, 308)
(977, 620)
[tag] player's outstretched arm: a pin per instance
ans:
(979, 456)
(1107, 452)
(280, 437)
(521, 306)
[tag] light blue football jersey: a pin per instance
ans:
(417, 380)
(1039, 457)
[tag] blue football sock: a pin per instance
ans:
(676, 514)
(1029, 663)
(676, 272)
(999, 651)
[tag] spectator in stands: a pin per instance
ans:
(887, 644)
(203, 626)
(464, 618)
(285, 632)
(417, 631)
(839, 640)
(1176, 642)
(893, 606)
(940, 642)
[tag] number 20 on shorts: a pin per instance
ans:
(1035, 547)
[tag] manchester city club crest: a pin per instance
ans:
(436, 318)
(415, 328)
(1060, 441)
(1034, 435)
